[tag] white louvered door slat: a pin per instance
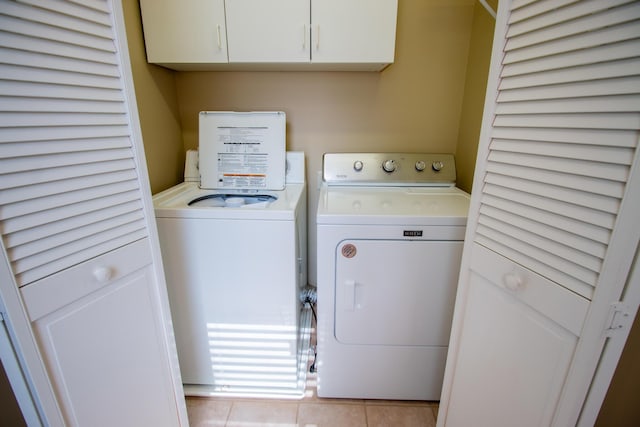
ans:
(578, 18)
(47, 160)
(610, 52)
(24, 42)
(583, 199)
(559, 206)
(605, 35)
(583, 104)
(34, 135)
(23, 148)
(67, 170)
(591, 72)
(620, 121)
(67, 92)
(569, 224)
(582, 168)
(27, 223)
(553, 234)
(565, 150)
(27, 58)
(66, 16)
(66, 185)
(67, 106)
(565, 131)
(59, 239)
(524, 19)
(71, 41)
(587, 137)
(97, 211)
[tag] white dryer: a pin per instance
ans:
(390, 235)
(235, 260)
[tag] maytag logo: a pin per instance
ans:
(412, 233)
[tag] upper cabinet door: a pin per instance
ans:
(187, 31)
(354, 31)
(268, 31)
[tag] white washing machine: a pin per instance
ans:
(235, 260)
(390, 236)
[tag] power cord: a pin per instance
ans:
(309, 296)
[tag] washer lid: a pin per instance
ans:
(393, 205)
(242, 150)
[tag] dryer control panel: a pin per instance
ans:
(392, 169)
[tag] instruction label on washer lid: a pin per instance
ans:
(242, 150)
(241, 161)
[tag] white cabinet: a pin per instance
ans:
(98, 331)
(271, 34)
(184, 32)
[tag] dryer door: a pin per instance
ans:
(395, 292)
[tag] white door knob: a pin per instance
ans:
(102, 274)
(512, 281)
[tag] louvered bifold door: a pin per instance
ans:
(69, 190)
(564, 134)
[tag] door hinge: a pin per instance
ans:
(621, 318)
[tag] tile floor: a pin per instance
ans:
(310, 411)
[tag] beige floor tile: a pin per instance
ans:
(207, 412)
(331, 415)
(405, 416)
(262, 413)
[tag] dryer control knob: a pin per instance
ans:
(420, 165)
(358, 165)
(437, 166)
(389, 165)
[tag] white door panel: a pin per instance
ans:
(391, 292)
(496, 364)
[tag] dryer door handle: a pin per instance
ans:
(349, 295)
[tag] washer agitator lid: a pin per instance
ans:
(217, 200)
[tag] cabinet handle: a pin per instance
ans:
(512, 281)
(102, 274)
(318, 37)
(219, 41)
(304, 36)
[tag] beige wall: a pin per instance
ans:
(413, 105)
(474, 93)
(157, 106)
